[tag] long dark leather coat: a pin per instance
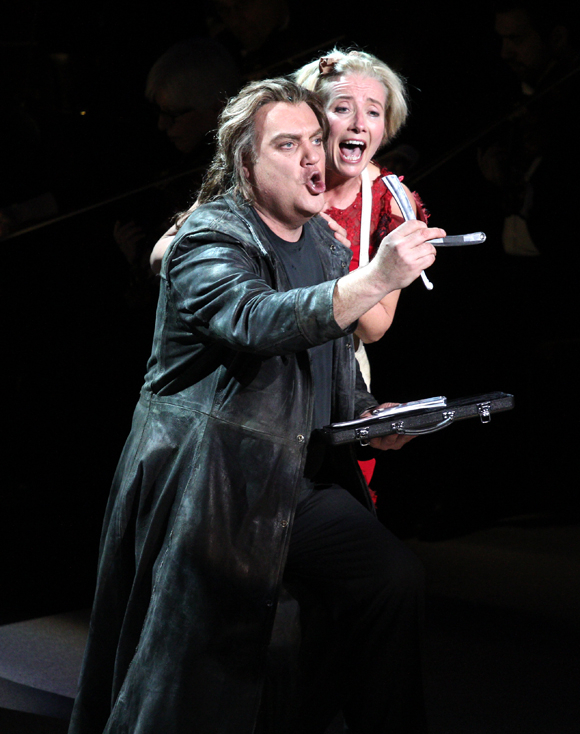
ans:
(198, 522)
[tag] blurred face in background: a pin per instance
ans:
(185, 128)
(252, 21)
(523, 48)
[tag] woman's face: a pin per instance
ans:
(356, 112)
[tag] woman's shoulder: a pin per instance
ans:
(376, 172)
(382, 193)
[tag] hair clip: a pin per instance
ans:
(326, 65)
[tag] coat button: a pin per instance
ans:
(284, 523)
(348, 345)
(300, 438)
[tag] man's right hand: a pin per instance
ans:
(404, 253)
(401, 257)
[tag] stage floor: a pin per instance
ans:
(502, 652)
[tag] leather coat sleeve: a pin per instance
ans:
(363, 399)
(222, 293)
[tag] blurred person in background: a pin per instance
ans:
(189, 85)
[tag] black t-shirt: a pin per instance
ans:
(304, 268)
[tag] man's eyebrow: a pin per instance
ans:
(294, 136)
(286, 136)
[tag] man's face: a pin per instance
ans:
(288, 174)
(522, 46)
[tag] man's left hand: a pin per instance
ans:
(393, 441)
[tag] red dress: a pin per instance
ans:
(383, 221)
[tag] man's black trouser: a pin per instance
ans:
(360, 592)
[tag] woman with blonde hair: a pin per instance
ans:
(366, 105)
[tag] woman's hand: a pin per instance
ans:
(160, 247)
(339, 232)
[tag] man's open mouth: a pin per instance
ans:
(352, 150)
(315, 183)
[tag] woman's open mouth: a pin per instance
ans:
(315, 183)
(352, 150)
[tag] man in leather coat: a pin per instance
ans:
(222, 492)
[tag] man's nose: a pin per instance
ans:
(312, 154)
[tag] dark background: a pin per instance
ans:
(75, 123)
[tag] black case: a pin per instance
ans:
(421, 421)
